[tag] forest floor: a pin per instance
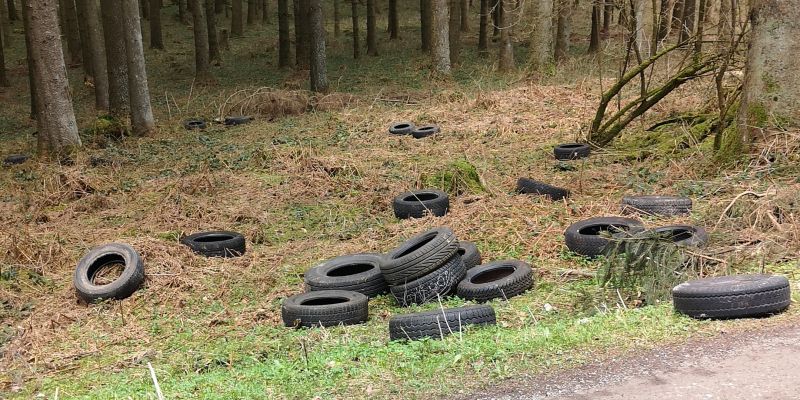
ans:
(304, 186)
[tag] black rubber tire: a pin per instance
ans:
(657, 205)
(419, 203)
(438, 323)
(419, 256)
(571, 151)
(357, 273)
(734, 296)
(125, 285)
(216, 244)
(530, 186)
(584, 237)
(402, 128)
(425, 131)
(469, 253)
(191, 124)
(431, 286)
(240, 120)
(327, 308)
(496, 280)
(680, 235)
(15, 159)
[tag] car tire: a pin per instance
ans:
(216, 244)
(402, 128)
(735, 296)
(440, 322)
(125, 285)
(571, 151)
(325, 308)
(469, 253)
(419, 256)
(357, 272)
(425, 131)
(496, 280)
(586, 237)
(432, 286)
(419, 203)
(657, 205)
(530, 186)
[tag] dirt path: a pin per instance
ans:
(754, 365)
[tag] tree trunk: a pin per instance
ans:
(12, 10)
(497, 16)
(251, 12)
(372, 39)
(506, 62)
(594, 38)
(96, 46)
(394, 25)
(664, 23)
(211, 25)
(542, 40)
(687, 21)
(113, 27)
(30, 60)
(426, 23)
(454, 30)
(483, 29)
(83, 30)
(771, 89)
(73, 34)
(265, 12)
(182, 12)
(563, 29)
(725, 27)
(58, 130)
(638, 25)
(201, 55)
(5, 21)
(301, 34)
(701, 25)
(156, 39)
(441, 37)
(337, 29)
(237, 30)
(464, 16)
(284, 41)
(608, 14)
(356, 46)
(219, 6)
(319, 75)
(142, 121)
(3, 76)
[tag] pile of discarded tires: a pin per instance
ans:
(425, 268)
(417, 132)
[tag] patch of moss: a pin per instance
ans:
(457, 178)
(757, 115)
(105, 128)
(731, 147)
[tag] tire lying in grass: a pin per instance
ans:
(240, 120)
(216, 244)
(469, 253)
(530, 186)
(425, 131)
(191, 124)
(420, 203)
(402, 128)
(680, 235)
(735, 296)
(496, 280)
(357, 272)
(431, 286)
(419, 256)
(439, 323)
(92, 265)
(590, 237)
(325, 308)
(571, 151)
(657, 205)
(15, 159)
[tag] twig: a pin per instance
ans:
(735, 199)
(155, 382)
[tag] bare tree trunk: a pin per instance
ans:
(483, 29)
(507, 62)
(12, 11)
(454, 29)
(337, 29)
(372, 38)
(542, 40)
(219, 6)
(563, 29)
(113, 27)
(608, 8)
(73, 34)
(237, 30)
(771, 89)
(441, 37)
(265, 12)
(687, 21)
(284, 41)
(319, 75)
(725, 27)
(394, 25)
(701, 24)
(211, 25)
(30, 60)
(301, 34)
(94, 43)
(58, 130)
(594, 38)
(464, 16)
(664, 23)
(638, 25)
(142, 121)
(156, 39)
(201, 54)
(3, 76)
(356, 46)
(426, 23)
(83, 30)
(251, 12)
(5, 21)
(182, 12)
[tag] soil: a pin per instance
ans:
(750, 365)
